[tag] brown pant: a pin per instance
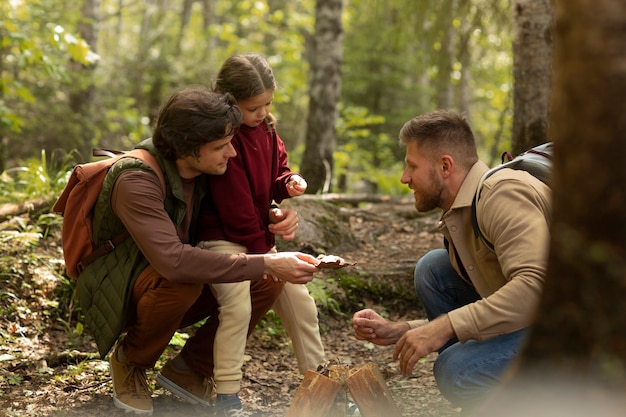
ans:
(158, 308)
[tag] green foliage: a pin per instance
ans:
(30, 181)
(13, 379)
(20, 238)
(362, 155)
(322, 292)
(126, 123)
(399, 72)
(66, 308)
(271, 325)
(179, 339)
(169, 54)
(342, 291)
(19, 260)
(387, 73)
(32, 50)
(58, 94)
(34, 287)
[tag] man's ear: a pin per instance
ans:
(447, 165)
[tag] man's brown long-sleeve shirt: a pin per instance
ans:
(138, 201)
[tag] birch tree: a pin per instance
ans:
(324, 90)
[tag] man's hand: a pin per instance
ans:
(419, 342)
(294, 267)
(369, 325)
(284, 223)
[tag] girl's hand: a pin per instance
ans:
(283, 223)
(296, 185)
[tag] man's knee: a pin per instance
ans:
(425, 269)
(456, 379)
(467, 372)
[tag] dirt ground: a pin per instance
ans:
(48, 365)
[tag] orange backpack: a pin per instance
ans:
(77, 202)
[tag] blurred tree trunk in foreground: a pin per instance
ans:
(575, 360)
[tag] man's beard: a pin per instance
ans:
(431, 199)
(428, 204)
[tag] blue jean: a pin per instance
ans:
(465, 372)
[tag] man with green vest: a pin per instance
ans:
(156, 282)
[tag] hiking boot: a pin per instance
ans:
(187, 384)
(229, 405)
(131, 392)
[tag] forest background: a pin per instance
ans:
(76, 75)
(82, 74)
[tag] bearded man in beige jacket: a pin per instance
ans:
(479, 302)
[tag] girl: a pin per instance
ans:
(235, 219)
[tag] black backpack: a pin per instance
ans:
(537, 161)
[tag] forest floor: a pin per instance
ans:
(48, 364)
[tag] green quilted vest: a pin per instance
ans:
(104, 287)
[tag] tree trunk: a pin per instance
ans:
(469, 21)
(325, 88)
(532, 55)
(588, 252)
(185, 17)
(81, 96)
(445, 56)
(577, 349)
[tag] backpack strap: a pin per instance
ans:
(106, 152)
(102, 250)
(152, 162)
(477, 231)
(110, 244)
(537, 161)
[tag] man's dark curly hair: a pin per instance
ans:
(191, 118)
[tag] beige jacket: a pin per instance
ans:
(514, 213)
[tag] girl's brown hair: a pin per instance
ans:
(246, 76)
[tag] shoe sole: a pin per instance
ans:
(128, 409)
(119, 404)
(175, 389)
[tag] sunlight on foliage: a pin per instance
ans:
(77, 48)
(30, 181)
(179, 339)
(63, 100)
(29, 49)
